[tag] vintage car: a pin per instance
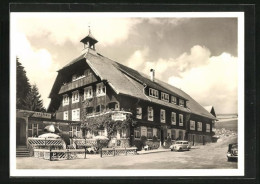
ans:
(232, 152)
(180, 146)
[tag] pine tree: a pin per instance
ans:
(23, 86)
(33, 101)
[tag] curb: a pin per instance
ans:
(147, 152)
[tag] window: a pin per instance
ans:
(137, 133)
(153, 93)
(149, 133)
(155, 132)
(88, 92)
(192, 125)
(180, 120)
(76, 114)
(65, 115)
(199, 126)
(75, 96)
(180, 135)
(65, 100)
(181, 102)
(123, 133)
(143, 131)
(169, 132)
(113, 105)
(139, 112)
(207, 127)
(173, 118)
(100, 108)
(165, 97)
(89, 110)
(74, 131)
(174, 100)
(173, 134)
(101, 132)
(100, 89)
(33, 129)
(150, 114)
(162, 116)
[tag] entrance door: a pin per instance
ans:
(162, 137)
(20, 132)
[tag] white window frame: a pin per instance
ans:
(139, 113)
(32, 129)
(164, 96)
(136, 132)
(173, 114)
(181, 104)
(155, 132)
(199, 126)
(74, 95)
(88, 92)
(151, 132)
(153, 93)
(66, 115)
(66, 100)
(150, 110)
(75, 114)
(143, 131)
(207, 127)
(162, 116)
(180, 118)
(100, 89)
(74, 130)
(173, 101)
(192, 125)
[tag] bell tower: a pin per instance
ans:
(89, 41)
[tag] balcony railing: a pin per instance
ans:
(77, 83)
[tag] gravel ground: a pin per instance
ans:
(210, 156)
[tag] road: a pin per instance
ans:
(211, 156)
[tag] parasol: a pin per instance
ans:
(52, 129)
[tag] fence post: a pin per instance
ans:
(50, 153)
(114, 151)
(101, 153)
(45, 141)
(67, 154)
(85, 152)
(125, 151)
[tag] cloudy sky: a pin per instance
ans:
(198, 55)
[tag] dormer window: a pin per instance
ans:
(88, 92)
(153, 93)
(66, 100)
(75, 96)
(165, 97)
(174, 100)
(181, 102)
(100, 89)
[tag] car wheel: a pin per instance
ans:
(171, 149)
(180, 149)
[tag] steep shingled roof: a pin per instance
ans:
(127, 81)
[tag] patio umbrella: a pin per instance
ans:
(49, 135)
(52, 129)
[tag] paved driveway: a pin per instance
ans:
(211, 156)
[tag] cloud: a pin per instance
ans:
(38, 63)
(211, 80)
(61, 29)
(213, 84)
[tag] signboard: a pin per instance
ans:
(118, 117)
(41, 115)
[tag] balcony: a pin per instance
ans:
(77, 84)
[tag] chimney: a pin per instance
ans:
(152, 74)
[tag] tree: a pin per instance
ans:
(23, 86)
(33, 100)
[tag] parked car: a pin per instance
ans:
(232, 153)
(180, 146)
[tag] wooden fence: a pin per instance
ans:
(60, 154)
(118, 151)
(48, 142)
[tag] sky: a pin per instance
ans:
(198, 55)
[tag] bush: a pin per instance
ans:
(138, 144)
(65, 137)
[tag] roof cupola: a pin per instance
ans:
(89, 41)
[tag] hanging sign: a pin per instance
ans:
(118, 117)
